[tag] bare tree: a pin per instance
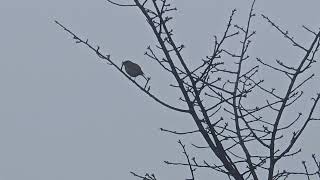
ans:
(217, 95)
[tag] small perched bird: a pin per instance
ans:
(133, 69)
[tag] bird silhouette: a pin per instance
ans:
(133, 69)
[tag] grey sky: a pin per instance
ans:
(65, 115)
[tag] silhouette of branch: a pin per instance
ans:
(145, 177)
(122, 5)
(107, 57)
(285, 33)
(179, 133)
(218, 96)
(188, 159)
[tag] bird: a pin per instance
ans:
(133, 69)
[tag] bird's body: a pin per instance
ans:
(133, 69)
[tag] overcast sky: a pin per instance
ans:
(66, 115)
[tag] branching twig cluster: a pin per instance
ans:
(216, 95)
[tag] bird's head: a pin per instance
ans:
(126, 62)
